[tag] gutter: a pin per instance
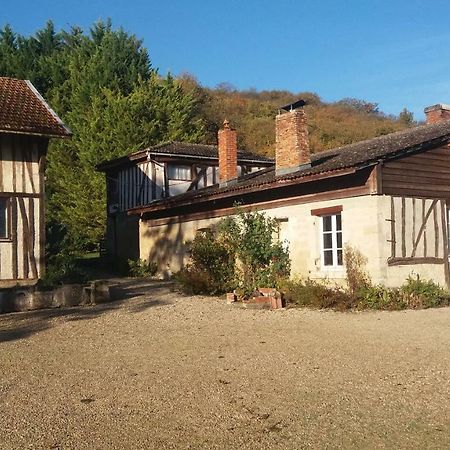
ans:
(33, 133)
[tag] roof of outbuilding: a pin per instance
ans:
(358, 155)
(24, 111)
(181, 149)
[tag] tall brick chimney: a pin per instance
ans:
(227, 138)
(292, 145)
(437, 113)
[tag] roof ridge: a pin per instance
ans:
(376, 139)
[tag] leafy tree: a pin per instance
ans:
(104, 88)
(406, 118)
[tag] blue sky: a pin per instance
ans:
(393, 52)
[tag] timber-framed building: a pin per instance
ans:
(27, 123)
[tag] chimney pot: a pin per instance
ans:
(437, 113)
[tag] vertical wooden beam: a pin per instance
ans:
(153, 178)
(29, 167)
(13, 163)
(24, 151)
(41, 208)
(1, 164)
(436, 231)
(14, 261)
(32, 238)
(166, 192)
(393, 240)
(445, 238)
(414, 222)
(25, 237)
(424, 220)
(403, 227)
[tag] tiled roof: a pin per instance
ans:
(357, 155)
(182, 149)
(23, 110)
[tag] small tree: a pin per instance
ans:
(261, 260)
(240, 252)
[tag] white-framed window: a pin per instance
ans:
(331, 234)
(176, 172)
(4, 218)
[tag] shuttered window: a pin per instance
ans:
(4, 229)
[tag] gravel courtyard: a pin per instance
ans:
(159, 370)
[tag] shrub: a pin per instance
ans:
(239, 253)
(140, 268)
(380, 297)
(211, 267)
(417, 293)
(315, 294)
(262, 261)
(355, 270)
(362, 294)
(62, 268)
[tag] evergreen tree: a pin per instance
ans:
(104, 88)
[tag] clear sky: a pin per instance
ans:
(392, 52)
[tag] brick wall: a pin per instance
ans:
(227, 153)
(437, 113)
(292, 144)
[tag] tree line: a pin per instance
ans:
(104, 87)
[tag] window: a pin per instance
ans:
(179, 172)
(4, 229)
(332, 240)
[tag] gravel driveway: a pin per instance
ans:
(159, 370)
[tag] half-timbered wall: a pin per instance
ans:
(22, 184)
(142, 183)
(418, 231)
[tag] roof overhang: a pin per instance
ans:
(173, 202)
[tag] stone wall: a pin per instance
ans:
(30, 298)
(365, 226)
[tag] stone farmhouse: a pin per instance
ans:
(387, 197)
(26, 125)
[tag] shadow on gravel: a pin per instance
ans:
(134, 296)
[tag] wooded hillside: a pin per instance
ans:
(103, 86)
(252, 113)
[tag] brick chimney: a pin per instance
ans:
(437, 113)
(292, 144)
(227, 138)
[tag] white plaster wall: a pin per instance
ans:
(364, 227)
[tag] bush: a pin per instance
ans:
(419, 293)
(261, 260)
(140, 268)
(62, 269)
(211, 267)
(239, 253)
(355, 271)
(362, 294)
(315, 294)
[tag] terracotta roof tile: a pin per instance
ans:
(23, 110)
